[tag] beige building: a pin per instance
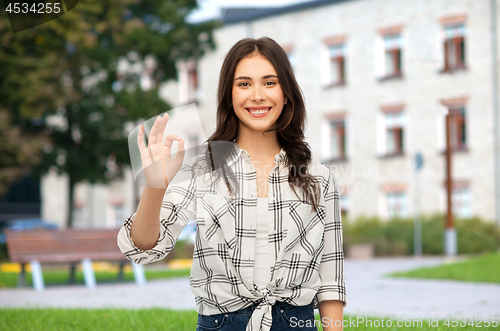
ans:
(378, 77)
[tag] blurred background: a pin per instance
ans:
(402, 105)
(378, 76)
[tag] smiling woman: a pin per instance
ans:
(268, 243)
(257, 94)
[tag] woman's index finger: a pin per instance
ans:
(154, 131)
(140, 138)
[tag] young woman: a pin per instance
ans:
(268, 245)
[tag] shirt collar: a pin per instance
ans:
(237, 151)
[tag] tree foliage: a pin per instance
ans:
(62, 92)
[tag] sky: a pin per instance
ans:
(209, 9)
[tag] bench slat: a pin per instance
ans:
(68, 245)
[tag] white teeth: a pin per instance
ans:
(260, 111)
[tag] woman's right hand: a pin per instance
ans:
(158, 166)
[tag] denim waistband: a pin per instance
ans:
(276, 307)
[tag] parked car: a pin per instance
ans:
(23, 224)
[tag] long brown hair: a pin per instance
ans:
(289, 127)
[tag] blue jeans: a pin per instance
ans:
(286, 317)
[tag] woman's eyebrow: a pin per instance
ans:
(248, 78)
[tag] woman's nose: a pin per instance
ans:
(257, 94)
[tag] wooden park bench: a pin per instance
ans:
(71, 246)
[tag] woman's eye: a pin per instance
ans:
(242, 83)
(273, 83)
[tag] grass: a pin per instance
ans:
(60, 277)
(96, 319)
(156, 319)
(483, 268)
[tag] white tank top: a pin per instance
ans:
(263, 260)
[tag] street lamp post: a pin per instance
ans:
(450, 231)
(417, 226)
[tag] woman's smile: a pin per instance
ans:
(258, 111)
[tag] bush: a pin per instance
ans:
(396, 236)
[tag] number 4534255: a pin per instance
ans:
(36, 8)
(471, 322)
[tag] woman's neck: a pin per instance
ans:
(258, 145)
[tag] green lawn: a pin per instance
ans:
(159, 319)
(58, 277)
(483, 268)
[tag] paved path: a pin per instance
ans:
(368, 293)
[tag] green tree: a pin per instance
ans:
(60, 83)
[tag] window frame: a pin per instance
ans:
(337, 62)
(189, 87)
(396, 53)
(329, 120)
(340, 132)
(402, 199)
(399, 131)
(458, 127)
(388, 188)
(458, 43)
(192, 84)
(457, 108)
(456, 187)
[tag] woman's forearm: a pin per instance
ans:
(145, 229)
(330, 312)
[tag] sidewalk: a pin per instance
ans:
(368, 293)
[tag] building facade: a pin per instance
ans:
(378, 78)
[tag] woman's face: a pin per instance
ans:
(257, 95)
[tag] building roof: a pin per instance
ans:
(241, 14)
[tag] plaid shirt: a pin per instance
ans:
(306, 245)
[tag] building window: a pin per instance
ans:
(334, 136)
(392, 45)
(396, 204)
(394, 129)
(457, 128)
(337, 135)
(189, 86)
(454, 46)
(333, 61)
(192, 84)
(456, 108)
(391, 128)
(337, 64)
(461, 201)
